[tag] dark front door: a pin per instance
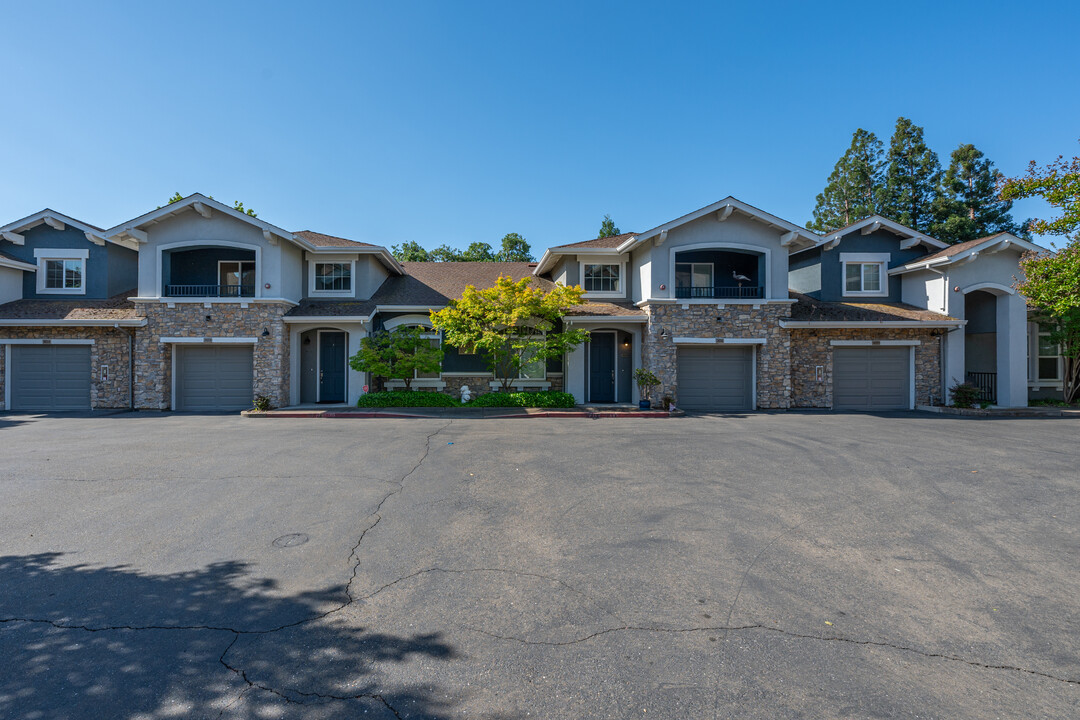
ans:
(602, 367)
(332, 367)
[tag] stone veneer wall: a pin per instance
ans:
(811, 347)
(153, 358)
(110, 348)
(725, 321)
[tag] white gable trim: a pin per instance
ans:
(879, 222)
(724, 208)
(59, 221)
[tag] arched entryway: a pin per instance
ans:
(324, 365)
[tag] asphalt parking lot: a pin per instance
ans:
(760, 566)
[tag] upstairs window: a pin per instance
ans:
(66, 275)
(61, 271)
(863, 278)
(236, 278)
(602, 278)
(333, 277)
(693, 275)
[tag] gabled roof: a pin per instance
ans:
(59, 221)
(794, 234)
(322, 240)
(117, 310)
(205, 206)
(613, 241)
(810, 312)
(968, 251)
(433, 284)
(879, 222)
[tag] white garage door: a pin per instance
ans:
(715, 378)
(872, 378)
(213, 377)
(50, 377)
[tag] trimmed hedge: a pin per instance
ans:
(545, 399)
(406, 398)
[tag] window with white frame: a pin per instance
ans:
(61, 271)
(602, 278)
(64, 274)
(333, 277)
(864, 278)
(533, 368)
(1049, 359)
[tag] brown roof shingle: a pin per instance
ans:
(606, 309)
(807, 308)
(332, 308)
(956, 249)
(323, 240)
(434, 283)
(117, 307)
(608, 242)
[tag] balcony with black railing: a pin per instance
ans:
(210, 291)
(721, 292)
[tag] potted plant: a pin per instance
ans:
(646, 380)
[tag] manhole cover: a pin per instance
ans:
(291, 540)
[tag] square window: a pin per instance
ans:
(333, 277)
(862, 278)
(1048, 368)
(602, 277)
(64, 274)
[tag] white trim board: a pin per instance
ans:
(29, 322)
(869, 324)
(878, 343)
(718, 341)
(46, 341)
(205, 340)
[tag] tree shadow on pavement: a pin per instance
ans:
(83, 641)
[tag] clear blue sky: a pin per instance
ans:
(449, 122)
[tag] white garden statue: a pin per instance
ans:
(466, 394)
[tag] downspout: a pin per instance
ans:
(131, 369)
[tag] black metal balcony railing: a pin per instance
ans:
(224, 291)
(987, 384)
(749, 292)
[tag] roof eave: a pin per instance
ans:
(870, 324)
(87, 322)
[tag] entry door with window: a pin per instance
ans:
(236, 278)
(331, 367)
(602, 367)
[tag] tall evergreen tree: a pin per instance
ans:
(514, 249)
(912, 174)
(608, 229)
(968, 205)
(854, 189)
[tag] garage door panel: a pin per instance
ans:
(715, 378)
(214, 378)
(50, 377)
(872, 378)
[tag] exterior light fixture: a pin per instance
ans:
(266, 332)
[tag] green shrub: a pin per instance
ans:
(545, 399)
(406, 398)
(964, 395)
(1048, 402)
(262, 404)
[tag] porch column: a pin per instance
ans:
(1012, 351)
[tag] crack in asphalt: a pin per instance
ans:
(237, 633)
(781, 631)
(521, 573)
(284, 695)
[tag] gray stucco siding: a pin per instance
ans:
(43, 237)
